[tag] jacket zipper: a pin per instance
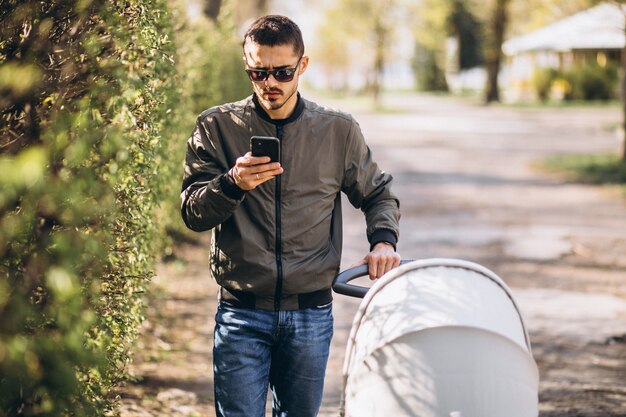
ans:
(278, 249)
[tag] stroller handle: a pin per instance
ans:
(341, 286)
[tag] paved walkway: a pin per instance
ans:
(467, 179)
(468, 189)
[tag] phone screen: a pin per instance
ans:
(265, 146)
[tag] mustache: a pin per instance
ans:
(272, 90)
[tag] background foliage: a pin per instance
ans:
(584, 81)
(357, 36)
(92, 133)
(210, 67)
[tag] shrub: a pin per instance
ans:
(84, 89)
(542, 81)
(428, 74)
(592, 82)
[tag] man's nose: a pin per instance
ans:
(271, 81)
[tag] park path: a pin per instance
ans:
(468, 186)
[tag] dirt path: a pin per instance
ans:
(468, 190)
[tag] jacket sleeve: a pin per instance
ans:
(208, 195)
(369, 189)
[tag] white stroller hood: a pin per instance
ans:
(439, 338)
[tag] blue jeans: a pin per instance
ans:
(286, 351)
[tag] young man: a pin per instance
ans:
(276, 243)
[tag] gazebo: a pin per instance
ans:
(596, 34)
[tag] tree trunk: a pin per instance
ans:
(624, 98)
(212, 9)
(493, 53)
(379, 60)
(261, 6)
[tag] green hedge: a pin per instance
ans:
(85, 91)
(96, 104)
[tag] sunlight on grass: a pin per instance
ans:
(562, 104)
(589, 169)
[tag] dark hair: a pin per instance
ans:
(274, 30)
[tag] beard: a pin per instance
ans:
(276, 98)
(274, 102)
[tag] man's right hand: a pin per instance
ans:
(250, 171)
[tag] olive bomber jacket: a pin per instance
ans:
(278, 247)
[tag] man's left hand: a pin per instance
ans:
(382, 259)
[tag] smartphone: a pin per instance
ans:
(265, 146)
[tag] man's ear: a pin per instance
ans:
(304, 63)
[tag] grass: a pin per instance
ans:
(588, 169)
(562, 104)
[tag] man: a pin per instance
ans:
(276, 243)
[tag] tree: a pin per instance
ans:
(428, 74)
(622, 4)
(430, 31)
(496, 28)
(332, 52)
(437, 22)
(246, 10)
(467, 29)
(367, 26)
(624, 94)
(212, 9)
(539, 13)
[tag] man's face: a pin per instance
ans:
(277, 98)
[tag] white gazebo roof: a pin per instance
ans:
(600, 27)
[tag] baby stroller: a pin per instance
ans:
(437, 338)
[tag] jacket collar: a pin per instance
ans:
(281, 122)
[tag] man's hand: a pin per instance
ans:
(250, 171)
(382, 259)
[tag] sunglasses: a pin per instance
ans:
(282, 75)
